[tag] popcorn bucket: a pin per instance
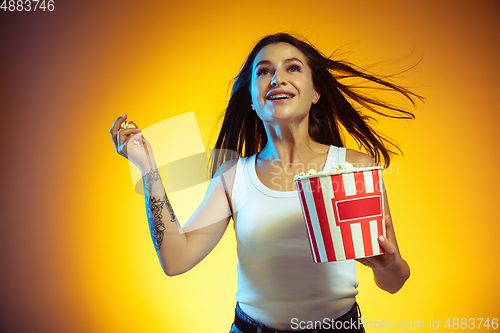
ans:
(343, 213)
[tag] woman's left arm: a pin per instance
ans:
(390, 270)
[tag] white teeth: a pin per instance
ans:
(280, 96)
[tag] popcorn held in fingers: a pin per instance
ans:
(129, 124)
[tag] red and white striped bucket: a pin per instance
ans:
(343, 213)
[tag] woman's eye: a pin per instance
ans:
(263, 71)
(294, 68)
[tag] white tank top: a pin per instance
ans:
(277, 278)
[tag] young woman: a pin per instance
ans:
(284, 117)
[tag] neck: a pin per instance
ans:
(290, 144)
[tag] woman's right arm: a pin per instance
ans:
(178, 249)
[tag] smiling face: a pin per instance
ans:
(282, 89)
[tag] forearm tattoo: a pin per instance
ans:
(173, 218)
(151, 177)
(154, 209)
(156, 225)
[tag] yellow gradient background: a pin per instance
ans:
(76, 254)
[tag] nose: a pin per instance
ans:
(277, 79)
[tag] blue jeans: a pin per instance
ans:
(351, 314)
(234, 329)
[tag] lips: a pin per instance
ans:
(274, 95)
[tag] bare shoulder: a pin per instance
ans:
(226, 173)
(359, 159)
(228, 166)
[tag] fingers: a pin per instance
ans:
(116, 127)
(383, 260)
(386, 244)
(124, 135)
(121, 136)
(135, 125)
(117, 123)
(388, 221)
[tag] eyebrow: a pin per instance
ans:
(286, 60)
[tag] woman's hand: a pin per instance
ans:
(390, 256)
(389, 269)
(131, 144)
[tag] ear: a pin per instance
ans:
(317, 95)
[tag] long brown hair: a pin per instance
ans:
(243, 131)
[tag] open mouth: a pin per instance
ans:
(280, 96)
